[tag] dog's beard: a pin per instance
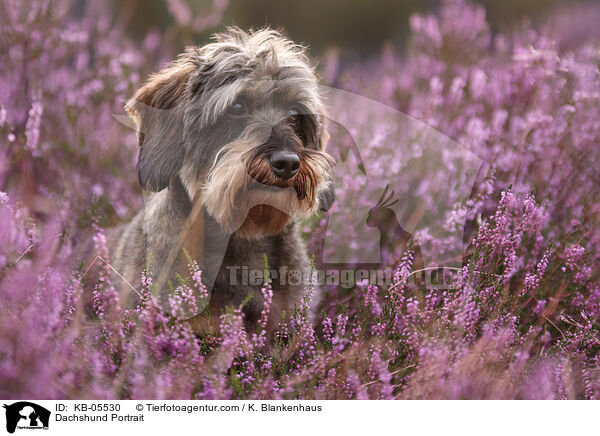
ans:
(243, 195)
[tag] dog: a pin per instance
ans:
(232, 139)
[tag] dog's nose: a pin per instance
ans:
(284, 164)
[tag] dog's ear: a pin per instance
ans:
(157, 109)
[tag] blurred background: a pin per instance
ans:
(357, 27)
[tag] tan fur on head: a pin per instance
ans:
(163, 89)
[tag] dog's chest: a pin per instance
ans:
(241, 275)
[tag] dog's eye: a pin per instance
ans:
(293, 115)
(237, 108)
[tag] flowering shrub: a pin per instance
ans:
(520, 320)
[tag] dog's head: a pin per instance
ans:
(240, 121)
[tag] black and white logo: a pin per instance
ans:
(26, 415)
